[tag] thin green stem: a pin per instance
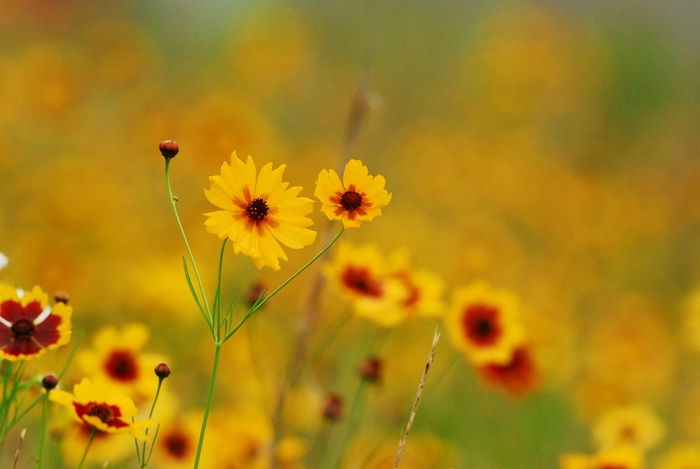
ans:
(184, 238)
(286, 282)
(330, 338)
(44, 420)
(92, 437)
(210, 399)
(217, 299)
(143, 462)
(353, 420)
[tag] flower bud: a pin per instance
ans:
(61, 297)
(162, 370)
(169, 148)
(371, 369)
(49, 382)
(332, 407)
(254, 293)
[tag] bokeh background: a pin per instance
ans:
(549, 148)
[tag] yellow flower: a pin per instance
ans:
(177, 443)
(484, 323)
(623, 457)
(258, 212)
(113, 446)
(28, 326)
(116, 361)
(104, 412)
(361, 275)
(424, 289)
(359, 197)
(635, 425)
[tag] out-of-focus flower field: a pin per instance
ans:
(543, 163)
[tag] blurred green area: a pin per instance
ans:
(546, 147)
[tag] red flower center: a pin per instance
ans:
(121, 366)
(257, 210)
(102, 412)
(23, 329)
(360, 281)
(351, 201)
(480, 323)
(177, 445)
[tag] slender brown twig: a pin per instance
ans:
(19, 447)
(431, 357)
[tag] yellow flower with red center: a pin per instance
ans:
(485, 323)
(622, 457)
(104, 412)
(517, 377)
(114, 447)
(116, 361)
(177, 442)
(361, 275)
(258, 212)
(358, 198)
(635, 425)
(29, 326)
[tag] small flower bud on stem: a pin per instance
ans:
(61, 297)
(49, 382)
(162, 370)
(169, 148)
(332, 407)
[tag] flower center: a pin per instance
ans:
(23, 329)
(361, 281)
(257, 209)
(102, 412)
(351, 200)
(121, 366)
(480, 323)
(177, 445)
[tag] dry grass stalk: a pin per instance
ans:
(19, 447)
(421, 384)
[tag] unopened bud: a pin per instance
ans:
(169, 148)
(254, 293)
(371, 369)
(49, 382)
(61, 297)
(162, 370)
(332, 407)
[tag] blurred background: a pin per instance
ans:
(549, 148)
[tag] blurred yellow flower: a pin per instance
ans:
(104, 412)
(258, 211)
(681, 457)
(635, 425)
(623, 457)
(116, 361)
(361, 275)
(485, 323)
(424, 290)
(177, 443)
(104, 446)
(517, 377)
(359, 197)
(29, 326)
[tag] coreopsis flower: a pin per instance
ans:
(117, 362)
(29, 326)
(93, 407)
(258, 212)
(635, 425)
(681, 457)
(358, 198)
(485, 323)
(622, 457)
(517, 377)
(177, 442)
(424, 290)
(113, 446)
(361, 275)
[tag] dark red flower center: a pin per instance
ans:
(102, 412)
(23, 329)
(351, 201)
(480, 323)
(360, 280)
(517, 377)
(177, 445)
(121, 366)
(257, 210)
(108, 414)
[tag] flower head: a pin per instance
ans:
(29, 326)
(484, 323)
(359, 197)
(621, 457)
(635, 425)
(116, 360)
(258, 212)
(517, 377)
(107, 413)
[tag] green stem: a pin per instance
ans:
(42, 435)
(286, 282)
(92, 437)
(217, 299)
(210, 399)
(143, 462)
(184, 237)
(353, 421)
